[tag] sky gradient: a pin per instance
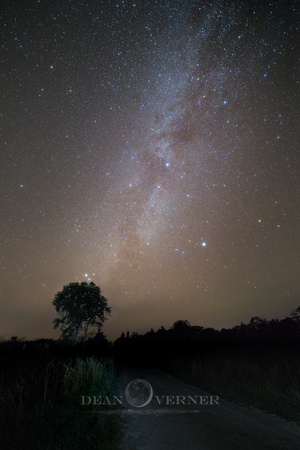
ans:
(151, 147)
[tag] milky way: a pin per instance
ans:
(150, 147)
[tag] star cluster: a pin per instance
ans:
(151, 147)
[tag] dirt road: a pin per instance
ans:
(174, 419)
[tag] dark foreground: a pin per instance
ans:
(255, 384)
(223, 426)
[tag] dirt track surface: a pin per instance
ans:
(225, 426)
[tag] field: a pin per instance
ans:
(267, 381)
(41, 396)
(40, 404)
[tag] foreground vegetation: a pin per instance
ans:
(42, 381)
(270, 382)
(40, 404)
(257, 364)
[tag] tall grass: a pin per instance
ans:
(265, 382)
(83, 375)
(40, 405)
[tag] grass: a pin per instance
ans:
(269, 383)
(41, 409)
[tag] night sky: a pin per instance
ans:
(151, 147)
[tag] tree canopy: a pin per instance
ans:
(79, 306)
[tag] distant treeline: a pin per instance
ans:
(186, 339)
(257, 329)
(181, 338)
(98, 345)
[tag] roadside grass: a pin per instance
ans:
(269, 383)
(40, 405)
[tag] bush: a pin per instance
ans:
(41, 405)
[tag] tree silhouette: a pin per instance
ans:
(181, 325)
(79, 306)
(295, 315)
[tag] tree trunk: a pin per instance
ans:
(85, 332)
(75, 334)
